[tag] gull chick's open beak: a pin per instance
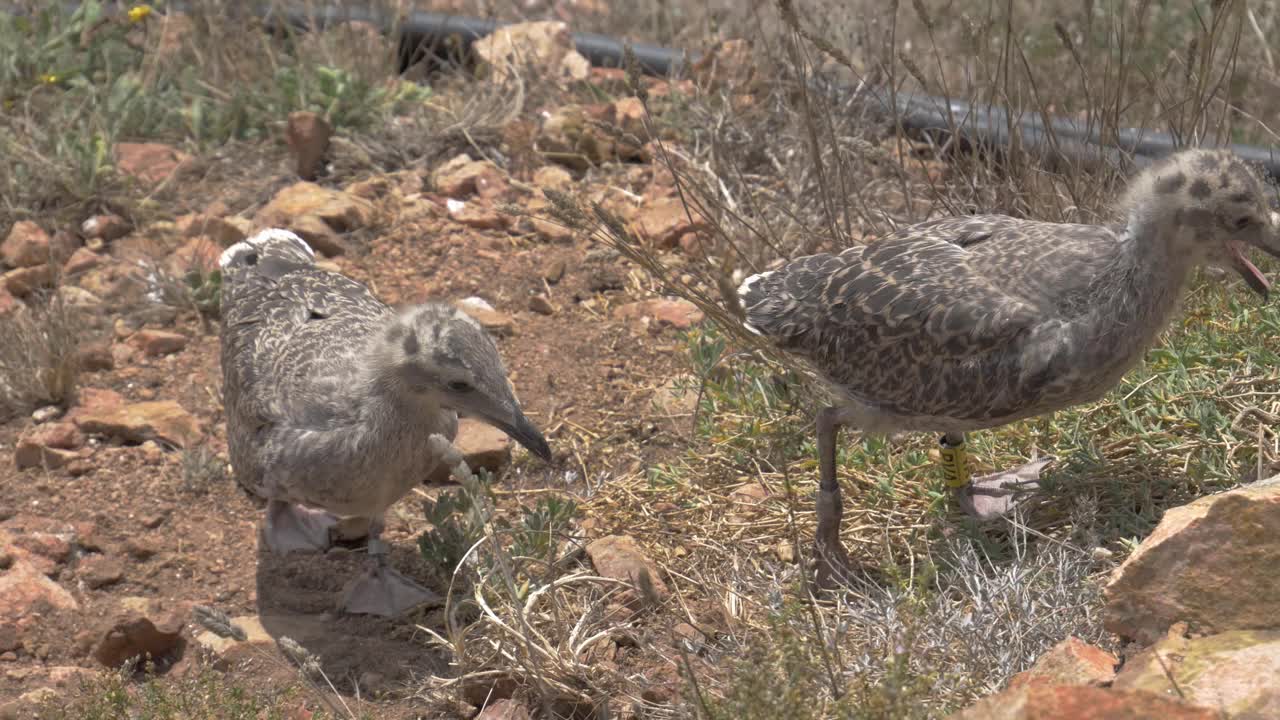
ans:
(1250, 272)
(1268, 242)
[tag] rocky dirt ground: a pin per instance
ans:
(118, 514)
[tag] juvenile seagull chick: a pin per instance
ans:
(973, 322)
(331, 397)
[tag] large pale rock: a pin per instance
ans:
(1070, 662)
(1211, 563)
(150, 162)
(545, 46)
(163, 420)
(1237, 671)
(1036, 701)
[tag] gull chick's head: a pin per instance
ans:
(443, 356)
(1211, 207)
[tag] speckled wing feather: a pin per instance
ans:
(929, 306)
(290, 333)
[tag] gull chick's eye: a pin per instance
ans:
(1242, 223)
(460, 386)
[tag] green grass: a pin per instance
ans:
(204, 693)
(68, 101)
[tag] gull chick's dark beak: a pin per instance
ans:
(523, 432)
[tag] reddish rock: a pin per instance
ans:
(226, 231)
(1206, 563)
(548, 230)
(340, 211)
(677, 313)
(481, 445)
(94, 356)
(199, 254)
(307, 134)
(106, 227)
(80, 262)
(151, 163)
(50, 445)
(461, 177)
(98, 571)
(24, 587)
(541, 304)
(1070, 662)
(317, 233)
(161, 420)
(628, 115)
(139, 628)
(370, 188)
(154, 343)
(495, 322)
(26, 245)
(26, 280)
(504, 710)
(1234, 671)
(476, 215)
(8, 303)
(665, 220)
(552, 177)
(95, 400)
(1036, 701)
(620, 557)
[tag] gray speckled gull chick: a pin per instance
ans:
(331, 396)
(973, 322)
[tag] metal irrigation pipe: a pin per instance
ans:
(1068, 138)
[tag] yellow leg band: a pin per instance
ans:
(955, 464)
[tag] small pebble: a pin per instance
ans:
(541, 305)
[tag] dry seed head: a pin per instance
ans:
(912, 68)
(923, 12)
(302, 657)
(218, 623)
(1190, 59)
(1064, 36)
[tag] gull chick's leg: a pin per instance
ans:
(293, 528)
(832, 560)
(988, 497)
(380, 590)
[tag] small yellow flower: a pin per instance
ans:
(138, 13)
(49, 79)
